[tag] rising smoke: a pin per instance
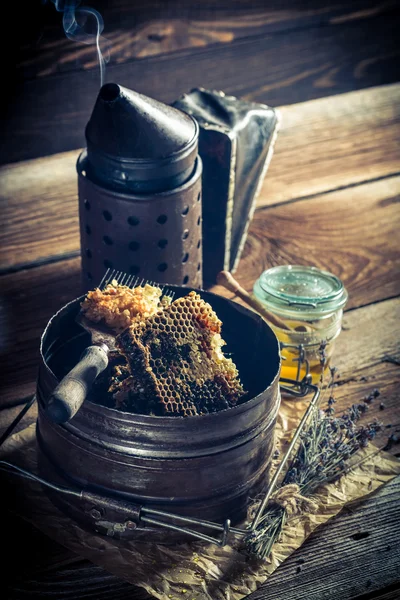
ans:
(81, 31)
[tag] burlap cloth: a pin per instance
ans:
(197, 571)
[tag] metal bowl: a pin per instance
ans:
(204, 466)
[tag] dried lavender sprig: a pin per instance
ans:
(328, 441)
(318, 400)
(259, 542)
(282, 464)
(323, 449)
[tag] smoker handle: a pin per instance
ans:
(71, 392)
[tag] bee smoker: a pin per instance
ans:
(139, 183)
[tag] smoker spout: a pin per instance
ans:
(137, 144)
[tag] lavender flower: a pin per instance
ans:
(324, 448)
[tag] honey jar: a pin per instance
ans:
(309, 302)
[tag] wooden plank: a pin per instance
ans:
(45, 118)
(40, 209)
(29, 299)
(8, 415)
(354, 389)
(352, 233)
(48, 570)
(26, 310)
(369, 338)
(334, 142)
(351, 566)
(313, 155)
(152, 28)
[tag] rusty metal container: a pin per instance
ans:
(139, 184)
(204, 466)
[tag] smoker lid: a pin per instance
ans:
(133, 139)
(127, 124)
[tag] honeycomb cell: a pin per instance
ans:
(177, 350)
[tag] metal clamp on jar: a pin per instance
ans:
(310, 303)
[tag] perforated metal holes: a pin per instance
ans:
(138, 237)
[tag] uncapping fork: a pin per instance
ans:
(71, 392)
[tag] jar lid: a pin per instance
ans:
(298, 289)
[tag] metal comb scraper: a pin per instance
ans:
(71, 392)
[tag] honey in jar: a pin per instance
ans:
(309, 302)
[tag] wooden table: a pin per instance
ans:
(330, 199)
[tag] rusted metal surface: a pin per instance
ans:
(236, 142)
(156, 236)
(206, 466)
(139, 187)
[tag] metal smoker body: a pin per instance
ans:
(139, 184)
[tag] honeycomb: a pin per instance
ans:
(176, 362)
(118, 306)
(110, 381)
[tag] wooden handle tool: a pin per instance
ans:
(227, 280)
(71, 392)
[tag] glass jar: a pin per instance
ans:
(310, 303)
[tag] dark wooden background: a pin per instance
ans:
(334, 157)
(274, 51)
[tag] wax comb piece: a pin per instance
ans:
(176, 361)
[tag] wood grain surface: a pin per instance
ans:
(351, 232)
(40, 196)
(357, 533)
(346, 140)
(45, 115)
(140, 29)
(37, 197)
(29, 299)
(330, 199)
